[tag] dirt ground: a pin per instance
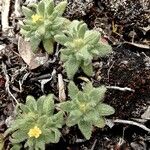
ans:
(125, 25)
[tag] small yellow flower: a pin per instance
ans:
(83, 107)
(36, 18)
(34, 132)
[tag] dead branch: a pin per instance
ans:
(62, 95)
(5, 15)
(120, 88)
(131, 123)
(18, 8)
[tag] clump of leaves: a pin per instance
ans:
(81, 45)
(35, 124)
(42, 22)
(86, 108)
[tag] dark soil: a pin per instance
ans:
(120, 23)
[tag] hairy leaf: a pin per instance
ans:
(48, 105)
(85, 128)
(31, 103)
(73, 90)
(27, 12)
(71, 67)
(41, 8)
(73, 118)
(105, 110)
(48, 45)
(100, 123)
(88, 69)
(60, 8)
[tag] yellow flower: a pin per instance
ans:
(36, 18)
(83, 107)
(34, 132)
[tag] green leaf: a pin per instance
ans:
(104, 49)
(97, 94)
(31, 103)
(41, 8)
(57, 135)
(81, 97)
(84, 55)
(65, 106)
(82, 30)
(86, 129)
(27, 12)
(88, 69)
(1, 142)
(88, 87)
(49, 7)
(71, 67)
(73, 90)
(95, 52)
(63, 57)
(52, 135)
(73, 118)
(30, 143)
(40, 144)
(19, 136)
(73, 27)
(40, 102)
(14, 126)
(33, 6)
(26, 27)
(25, 108)
(48, 105)
(58, 119)
(60, 8)
(48, 45)
(61, 39)
(92, 37)
(100, 123)
(92, 115)
(34, 42)
(24, 32)
(105, 110)
(16, 147)
(40, 32)
(58, 24)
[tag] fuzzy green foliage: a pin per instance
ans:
(42, 22)
(80, 46)
(86, 108)
(36, 124)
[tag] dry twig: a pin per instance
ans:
(7, 83)
(5, 15)
(120, 88)
(18, 8)
(93, 146)
(62, 95)
(131, 123)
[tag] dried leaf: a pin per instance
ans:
(1, 142)
(31, 59)
(146, 114)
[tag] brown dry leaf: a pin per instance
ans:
(146, 114)
(31, 59)
(61, 87)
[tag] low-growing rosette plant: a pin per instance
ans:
(42, 22)
(86, 108)
(35, 124)
(81, 45)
